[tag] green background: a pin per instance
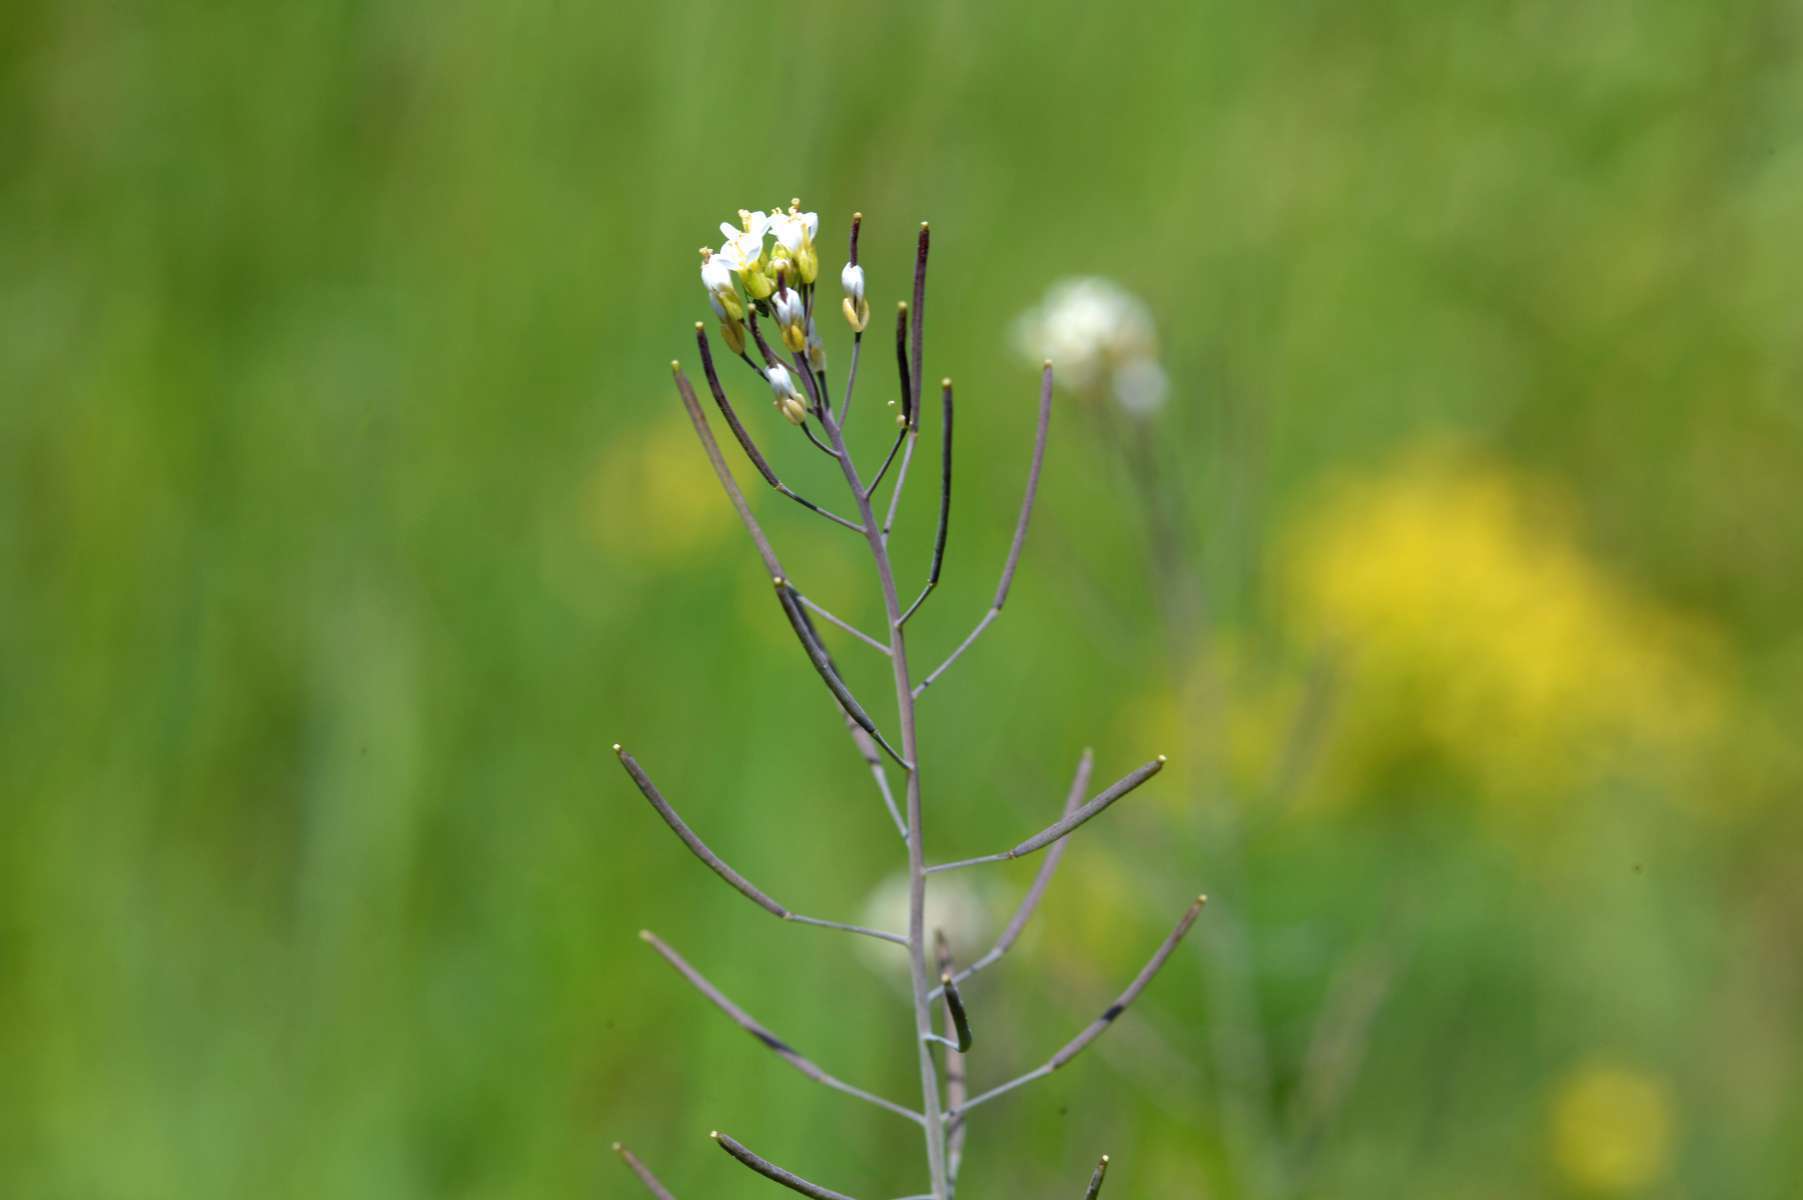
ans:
(347, 517)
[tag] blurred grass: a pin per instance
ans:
(331, 331)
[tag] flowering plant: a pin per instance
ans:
(747, 281)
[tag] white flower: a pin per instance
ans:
(752, 225)
(788, 401)
(716, 277)
(743, 253)
(791, 317)
(816, 348)
(1098, 335)
(794, 231)
(854, 306)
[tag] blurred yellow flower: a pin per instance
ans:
(1469, 624)
(653, 499)
(1611, 1128)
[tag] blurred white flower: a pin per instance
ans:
(1139, 386)
(954, 904)
(1101, 339)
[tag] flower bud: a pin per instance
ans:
(854, 306)
(716, 277)
(791, 317)
(788, 401)
(816, 348)
(732, 332)
(781, 267)
(756, 283)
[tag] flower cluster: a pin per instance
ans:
(768, 263)
(1103, 340)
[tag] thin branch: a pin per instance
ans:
(644, 1173)
(782, 1050)
(720, 867)
(698, 419)
(829, 673)
(1030, 902)
(822, 923)
(815, 395)
(1095, 1028)
(1095, 1181)
(847, 626)
(1066, 824)
(900, 435)
(808, 431)
(945, 505)
(1020, 531)
(744, 437)
(901, 482)
(771, 1171)
(867, 747)
(757, 337)
(955, 655)
(851, 377)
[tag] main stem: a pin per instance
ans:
(917, 878)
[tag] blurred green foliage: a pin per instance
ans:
(346, 518)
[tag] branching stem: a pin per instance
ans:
(904, 700)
